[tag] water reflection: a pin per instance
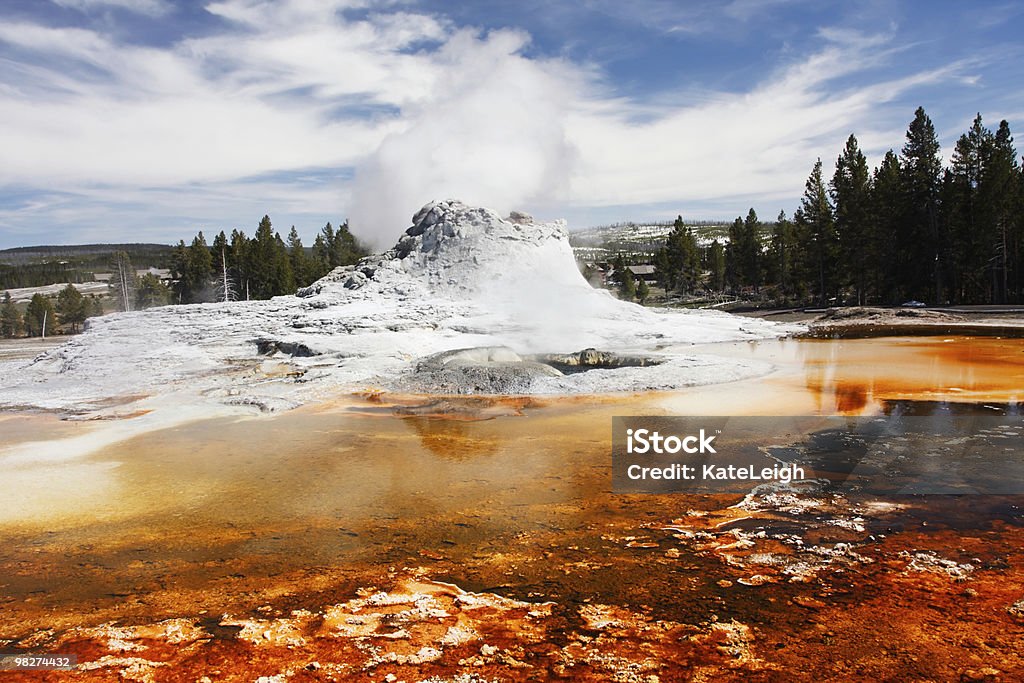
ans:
(860, 376)
(393, 482)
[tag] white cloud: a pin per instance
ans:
(266, 99)
(204, 110)
(281, 15)
(756, 145)
(421, 108)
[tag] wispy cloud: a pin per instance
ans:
(153, 8)
(758, 144)
(387, 106)
(277, 95)
(204, 110)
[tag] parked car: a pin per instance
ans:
(913, 303)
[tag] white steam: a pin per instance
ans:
(491, 132)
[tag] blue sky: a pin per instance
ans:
(146, 120)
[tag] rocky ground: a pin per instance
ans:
(25, 350)
(756, 591)
(861, 321)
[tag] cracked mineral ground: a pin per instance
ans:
(396, 537)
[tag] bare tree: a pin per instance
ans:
(125, 279)
(226, 288)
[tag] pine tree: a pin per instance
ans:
(10, 319)
(643, 291)
(238, 264)
(682, 258)
(200, 270)
(333, 248)
(886, 208)
(220, 243)
(71, 306)
(816, 219)
(735, 277)
(851, 196)
(346, 249)
(751, 249)
(284, 279)
(716, 265)
(260, 261)
(663, 270)
(268, 265)
(301, 270)
(963, 215)
(781, 256)
(743, 253)
(321, 262)
(150, 292)
(920, 244)
(40, 318)
(94, 307)
(999, 190)
(179, 274)
(327, 239)
(627, 287)
(619, 269)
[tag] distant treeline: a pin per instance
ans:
(707, 222)
(230, 269)
(241, 268)
(86, 254)
(47, 265)
(40, 274)
(908, 229)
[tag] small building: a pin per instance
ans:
(163, 274)
(644, 272)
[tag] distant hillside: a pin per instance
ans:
(598, 243)
(52, 264)
(19, 255)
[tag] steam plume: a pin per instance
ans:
(492, 133)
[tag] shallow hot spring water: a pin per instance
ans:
(266, 515)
